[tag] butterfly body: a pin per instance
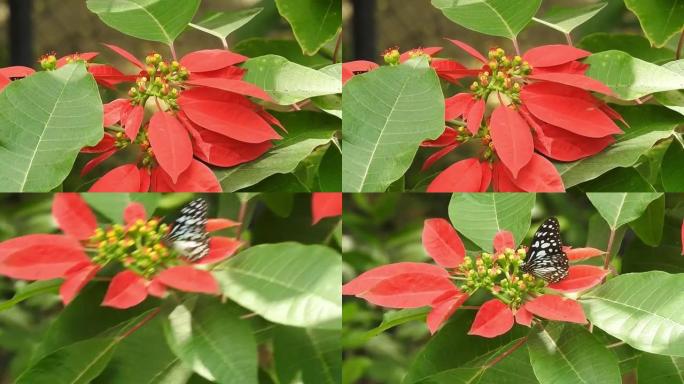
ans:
(189, 234)
(545, 257)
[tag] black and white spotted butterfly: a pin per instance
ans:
(188, 234)
(545, 257)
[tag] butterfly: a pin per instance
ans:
(545, 257)
(189, 234)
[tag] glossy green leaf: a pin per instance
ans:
(649, 226)
(569, 354)
(222, 24)
(660, 19)
(673, 99)
(567, 19)
(479, 216)
(631, 78)
(112, 205)
(658, 369)
(288, 49)
(387, 114)
(306, 131)
(30, 290)
(289, 83)
(269, 279)
(641, 309)
(78, 363)
(505, 18)
(307, 355)
(672, 173)
(314, 22)
(621, 208)
(46, 119)
(156, 20)
(330, 170)
(667, 257)
(648, 124)
(635, 45)
(213, 340)
(619, 180)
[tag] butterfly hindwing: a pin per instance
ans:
(189, 232)
(545, 257)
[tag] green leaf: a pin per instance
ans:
(649, 226)
(46, 119)
(621, 208)
(155, 20)
(30, 290)
(78, 363)
(287, 283)
(567, 19)
(330, 170)
(314, 22)
(641, 309)
(505, 18)
(569, 354)
(307, 355)
(672, 173)
(222, 24)
(112, 205)
(639, 257)
(631, 78)
(213, 340)
(673, 99)
(287, 82)
(648, 124)
(479, 216)
(391, 319)
(619, 180)
(635, 45)
(306, 131)
(288, 49)
(658, 369)
(387, 114)
(659, 19)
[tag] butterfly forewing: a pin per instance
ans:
(189, 232)
(545, 257)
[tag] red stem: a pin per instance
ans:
(502, 356)
(141, 323)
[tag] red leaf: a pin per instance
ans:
(352, 68)
(475, 115)
(76, 278)
(512, 138)
(211, 60)
(552, 55)
(409, 290)
(188, 279)
(369, 279)
(574, 114)
(106, 144)
(442, 311)
(112, 111)
(197, 178)
(220, 248)
(463, 176)
(133, 212)
(16, 72)
(86, 56)
(125, 290)
(144, 180)
(236, 86)
(494, 318)
(108, 74)
(4, 82)
(572, 67)
(457, 105)
(229, 119)
(73, 216)
(432, 159)
(126, 55)
(90, 165)
(170, 143)
(448, 137)
(486, 176)
(430, 51)
(156, 289)
(555, 307)
(502, 181)
(539, 175)
(133, 121)
(573, 80)
(442, 243)
(523, 316)
(125, 178)
(325, 204)
(582, 253)
(40, 257)
(219, 224)
(503, 240)
(451, 70)
(469, 50)
(580, 277)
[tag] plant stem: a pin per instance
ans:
(619, 343)
(225, 44)
(569, 39)
(241, 218)
(502, 356)
(515, 45)
(338, 44)
(680, 44)
(173, 51)
(609, 250)
(141, 323)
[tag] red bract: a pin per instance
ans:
(544, 106)
(202, 110)
(442, 243)
(325, 204)
(494, 318)
(356, 67)
(554, 307)
(443, 309)
(43, 257)
(580, 277)
(409, 290)
(582, 253)
(503, 240)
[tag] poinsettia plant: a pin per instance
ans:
(175, 280)
(497, 293)
(541, 119)
(229, 116)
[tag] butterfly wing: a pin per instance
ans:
(189, 232)
(545, 257)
